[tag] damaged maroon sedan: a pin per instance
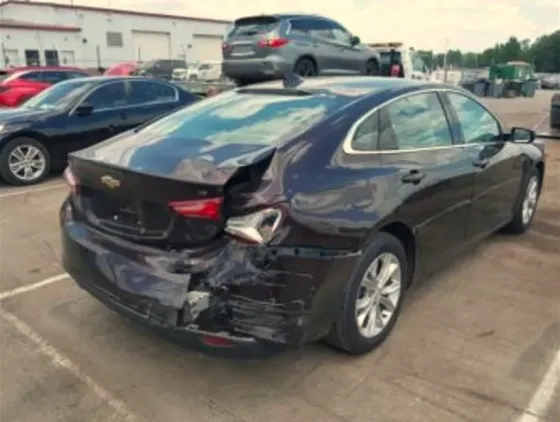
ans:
(286, 212)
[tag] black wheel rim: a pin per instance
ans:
(305, 68)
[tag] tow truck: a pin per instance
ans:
(410, 63)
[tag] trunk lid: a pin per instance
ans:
(132, 197)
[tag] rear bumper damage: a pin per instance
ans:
(227, 296)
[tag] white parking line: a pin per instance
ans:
(541, 399)
(34, 286)
(59, 360)
(541, 120)
(31, 190)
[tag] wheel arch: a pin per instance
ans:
(31, 134)
(406, 235)
(309, 57)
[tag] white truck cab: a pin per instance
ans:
(412, 65)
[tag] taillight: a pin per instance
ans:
(273, 42)
(226, 46)
(71, 180)
(209, 209)
(258, 227)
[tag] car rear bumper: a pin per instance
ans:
(269, 68)
(252, 306)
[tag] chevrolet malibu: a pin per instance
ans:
(291, 211)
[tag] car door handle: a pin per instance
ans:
(481, 163)
(414, 177)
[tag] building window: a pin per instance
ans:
(32, 58)
(51, 58)
(114, 39)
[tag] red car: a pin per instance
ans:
(20, 84)
(121, 69)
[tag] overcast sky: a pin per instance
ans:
(468, 24)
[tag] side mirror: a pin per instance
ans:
(520, 134)
(84, 109)
(354, 40)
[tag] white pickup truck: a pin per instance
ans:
(203, 72)
(412, 65)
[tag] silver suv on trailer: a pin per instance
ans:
(269, 46)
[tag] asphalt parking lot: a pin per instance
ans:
(481, 342)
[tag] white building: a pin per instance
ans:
(51, 33)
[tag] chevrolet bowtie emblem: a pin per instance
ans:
(110, 182)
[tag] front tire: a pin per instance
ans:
(373, 299)
(526, 205)
(24, 161)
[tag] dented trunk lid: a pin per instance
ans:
(126, 190)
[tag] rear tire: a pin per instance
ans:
(352, 331)
(38, 162)
(305, 68)
(526, 205)
(372, 68)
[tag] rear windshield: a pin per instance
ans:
(246, 118)
(253, 26)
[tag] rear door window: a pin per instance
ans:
(253, 26)
(416, 121)
(142, 92)
(246, 118)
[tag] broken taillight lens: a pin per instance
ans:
(258, 227)
(71, 180)
(209, 209)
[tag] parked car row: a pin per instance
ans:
(37, 137)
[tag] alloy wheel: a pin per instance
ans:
(27, 162)
(379, 295)
(530, 200)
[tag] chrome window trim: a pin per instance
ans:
(71, 113)
(347, 142)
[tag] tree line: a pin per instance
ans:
(543, 53)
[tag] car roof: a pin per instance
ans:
(355, 86)
(284, 16)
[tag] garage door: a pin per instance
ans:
(206, 48)
(151, 45)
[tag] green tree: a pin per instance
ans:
(544, 53)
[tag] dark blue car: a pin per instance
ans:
(37, 137)
(281, 213)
